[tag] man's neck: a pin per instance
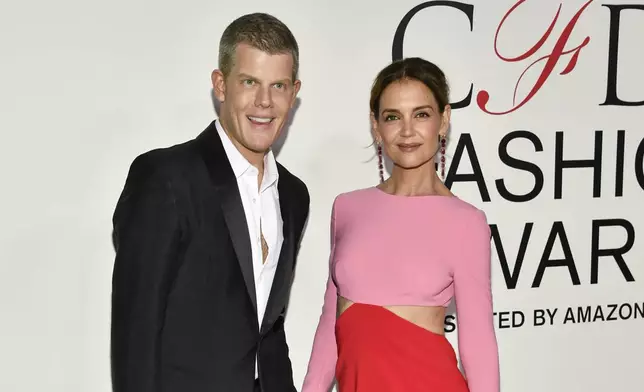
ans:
(254, 158)
(260, 178)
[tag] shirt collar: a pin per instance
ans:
(240, 165)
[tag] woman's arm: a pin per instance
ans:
(321, 369)
(472, 280)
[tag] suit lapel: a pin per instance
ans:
(233, 210)
(223, 177)
(284, 272)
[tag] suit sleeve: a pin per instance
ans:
(474, 309)
(146, 239)
(306, 204)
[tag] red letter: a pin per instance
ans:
(558, 51)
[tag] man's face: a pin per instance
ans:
(256, 98)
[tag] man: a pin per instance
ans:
(206, 236)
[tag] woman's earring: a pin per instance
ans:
(380, 164)
(442, 141)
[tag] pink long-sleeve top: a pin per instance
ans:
(420, 250)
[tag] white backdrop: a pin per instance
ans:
(86, 86)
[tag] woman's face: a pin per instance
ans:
(409, 123)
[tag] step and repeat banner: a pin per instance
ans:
(547, 138)
(548, 98)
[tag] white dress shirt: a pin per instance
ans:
(262, 209)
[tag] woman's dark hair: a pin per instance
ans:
(411, 68)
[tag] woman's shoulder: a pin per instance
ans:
(470, 217)
(354, 196)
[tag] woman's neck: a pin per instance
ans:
(420, 181)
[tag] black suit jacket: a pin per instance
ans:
(184, 313)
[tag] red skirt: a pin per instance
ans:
(379, 351)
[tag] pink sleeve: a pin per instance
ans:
(476, 337)
(321, 370)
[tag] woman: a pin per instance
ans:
(400, 252)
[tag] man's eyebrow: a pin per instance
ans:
(286, 80)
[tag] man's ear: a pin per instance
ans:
(297, 84)
(218, 85)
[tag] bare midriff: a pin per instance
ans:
(430, 318)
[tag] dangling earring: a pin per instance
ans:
(442, 141)
(380, 165)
